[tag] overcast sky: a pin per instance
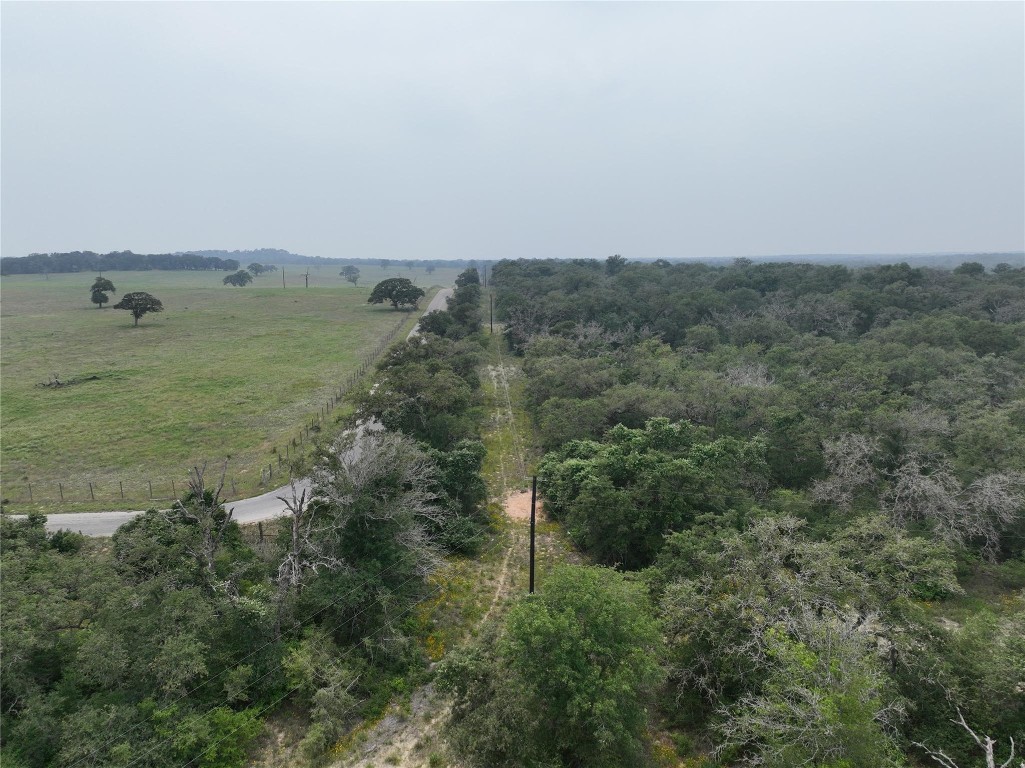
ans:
(469, 130)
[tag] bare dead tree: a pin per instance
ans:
(524, 322)
(986, 744)
(825, 315)
(755, 375)
(780, 306)
(725, 319)
(1010, 312)
(980, 512)
(390, 471)
(308, 548)
(205, 508)
(918, 492)
(997, 501)
(799, 711)
(306, 551)
(849, 459)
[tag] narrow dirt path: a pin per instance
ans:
(410, 733)
(500, 590)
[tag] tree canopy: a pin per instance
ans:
(238, 279)
(399, 291)
(351, 274)
(564, 680)
(139, 303)
(100, 287)
(103, 284)
(619, 498)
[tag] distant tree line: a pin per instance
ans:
(281, 256)
(87, 261)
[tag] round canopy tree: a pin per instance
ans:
(139, 304)
(565, 681)
(400, 291)
(238, 279)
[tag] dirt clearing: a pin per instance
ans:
(517, 506)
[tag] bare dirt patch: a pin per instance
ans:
(517, 506)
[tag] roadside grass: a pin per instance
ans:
(221, 373)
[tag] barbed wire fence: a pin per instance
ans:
(167, 489)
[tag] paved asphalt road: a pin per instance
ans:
(252, 510)
(262, 507)
(438, 302)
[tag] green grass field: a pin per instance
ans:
(222, 372)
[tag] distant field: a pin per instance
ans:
(221, 372)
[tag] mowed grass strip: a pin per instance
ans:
(221, 372)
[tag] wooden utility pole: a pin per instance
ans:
(491, 307)
(533, 517)
(282, 277)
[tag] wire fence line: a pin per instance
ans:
(165, 488)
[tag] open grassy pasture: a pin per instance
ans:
(222, 372)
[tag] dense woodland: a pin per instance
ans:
(281, 256)
(816, 474)
(801, 488)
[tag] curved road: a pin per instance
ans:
(263, 507)
(252, 510)
(438, 302)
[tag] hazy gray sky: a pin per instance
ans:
(459, 130)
